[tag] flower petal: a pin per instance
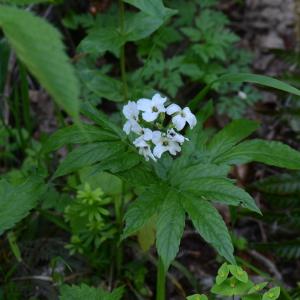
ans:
(127, 127)
(178, 122)
(144, 105)
(130, 110)
(173, 108)
(158, 100)
(190, 117)
(150, 116)
(158, 150)
(156, 136)
(147, 136)
(174, 148)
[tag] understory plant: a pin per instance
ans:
(175, 167)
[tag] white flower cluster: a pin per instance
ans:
(150, 128)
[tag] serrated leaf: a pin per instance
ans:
(181, 176)
(145, 207)
(87, 155)
(267, 152)
(230, 135)
(85, 292)
(238, 273)
(17, 201)
(222, 273)
(170, 226)
(119, 163)
(221, 190)
(272, 294)
(210, 225)
(101, 119)
(75, 134)
(38, 45)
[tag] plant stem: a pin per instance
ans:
(122, 50)
(161, 281)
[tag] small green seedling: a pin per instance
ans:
(232, 280)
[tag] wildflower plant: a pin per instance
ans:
(146, 119)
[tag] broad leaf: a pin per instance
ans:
(170, 226)
(221, 190)
(77, 135)
(245, 77)
(139, 212)
(267, 152)
(17, 201)
(210, 226)
(272, 294)
(101, 119)
(230, 135)
(39, 47)
(87, 155)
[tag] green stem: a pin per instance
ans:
(161, 281)
(122, 50)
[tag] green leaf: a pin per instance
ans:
(245, 77)
(170, 226)
(272, 294)
(85, 292)
(282, 184)
(222, 273)
(38, 45)
(77, 134)
(230, 135)
(182, 176)
(221, 190)
(119, 163)
(87, 155)
(101, 119)
(145, 207)
(210, 225)
(258, 287)
(154, 8)
(146, 235)
(267, 152)
(238, 273)
(101, 85)
(231, 287)
(17, 201)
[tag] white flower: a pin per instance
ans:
(242, 95)
(152, 108)
(144, 148)
(163, 144)
(176, 137)
(131, 113)
(181, 116)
